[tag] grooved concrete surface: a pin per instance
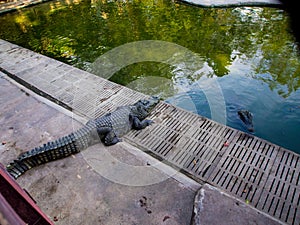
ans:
(251, 170)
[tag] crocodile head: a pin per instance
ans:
(144, 107)
(247, 118)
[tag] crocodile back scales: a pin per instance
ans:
(118, 120)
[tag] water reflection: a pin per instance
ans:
(248, 50)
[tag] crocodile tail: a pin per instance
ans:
(60, 148)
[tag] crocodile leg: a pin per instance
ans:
(138, 124)
(109, 135)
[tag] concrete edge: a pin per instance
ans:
(46, 101)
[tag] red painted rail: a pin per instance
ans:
(16, 206)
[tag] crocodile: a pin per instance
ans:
(247, 119)
(108, 129)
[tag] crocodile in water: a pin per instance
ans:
(247, 119)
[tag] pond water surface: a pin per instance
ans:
(246, 54)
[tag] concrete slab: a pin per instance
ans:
(212, 206)
(71, 191)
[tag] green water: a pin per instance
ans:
(248, 51)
